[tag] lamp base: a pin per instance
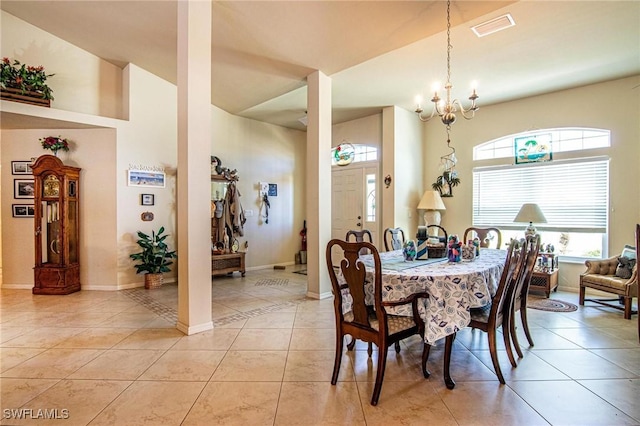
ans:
(530, 230)
(431, 217)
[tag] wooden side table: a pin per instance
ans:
(227, 263)
(544, 281)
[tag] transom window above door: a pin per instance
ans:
(361, 153)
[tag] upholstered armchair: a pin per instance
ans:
(601, 275)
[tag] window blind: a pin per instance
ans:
(573, 195)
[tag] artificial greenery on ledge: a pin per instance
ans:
(26, 78)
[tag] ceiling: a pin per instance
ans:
(377, 53)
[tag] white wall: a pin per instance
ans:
(265, 153)
(82, 82)
(148, 139)
(402, 160)
(613, 105)
(365, 131)
(93, 151)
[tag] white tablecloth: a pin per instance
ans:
(454, 288)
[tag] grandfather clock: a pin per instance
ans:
(56, 222)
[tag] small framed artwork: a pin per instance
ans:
(21, 168)
(146, 216)
(145, 178)
(533, 149)
(147, 199)
(23, 210)
(24, 188)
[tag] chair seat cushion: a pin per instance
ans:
(481, 314)
(396, 323)
(610, 281)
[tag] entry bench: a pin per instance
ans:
(227, 263)
(601, 275)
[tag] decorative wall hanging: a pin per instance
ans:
(23, 210)
(24, 188)
(445, 183)
(344, 154)
(146, 178)
(146, 217)
(21, 168)
(147, 199)
(533, 149)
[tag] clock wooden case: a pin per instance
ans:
(57, 226)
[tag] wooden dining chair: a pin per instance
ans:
(359, 236)
(489, 237)
(489, 318)
(369, 324)
(393, 239)
(521, 293)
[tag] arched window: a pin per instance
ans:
(559, 140)
(573, 194)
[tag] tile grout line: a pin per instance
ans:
(139, 295)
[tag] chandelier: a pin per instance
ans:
(446, 110)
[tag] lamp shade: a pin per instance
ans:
(530, 212)
(431, 201)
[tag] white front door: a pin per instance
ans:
(353, 204)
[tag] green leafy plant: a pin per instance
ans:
(55, 143)
(25, 78)
(155, 256)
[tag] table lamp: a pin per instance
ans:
(431, 203)
(530, 212)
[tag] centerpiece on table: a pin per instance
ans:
(24, 83)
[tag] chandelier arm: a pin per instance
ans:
(422, 117)
(465, 112)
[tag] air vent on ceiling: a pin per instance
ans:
(494, 25)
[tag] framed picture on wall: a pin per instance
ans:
(21, 168)
(533, 149)
(24, 188)
(23, 210)
(147, 199)
(145, 178)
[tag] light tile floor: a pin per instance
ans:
(115, 358)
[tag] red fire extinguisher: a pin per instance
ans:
(303, 234)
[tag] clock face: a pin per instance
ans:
(51, 186)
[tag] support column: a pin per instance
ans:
(194, 178)
(318, 183)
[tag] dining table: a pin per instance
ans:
(453, 287)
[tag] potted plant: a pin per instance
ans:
(24, 83)
(154, 258)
